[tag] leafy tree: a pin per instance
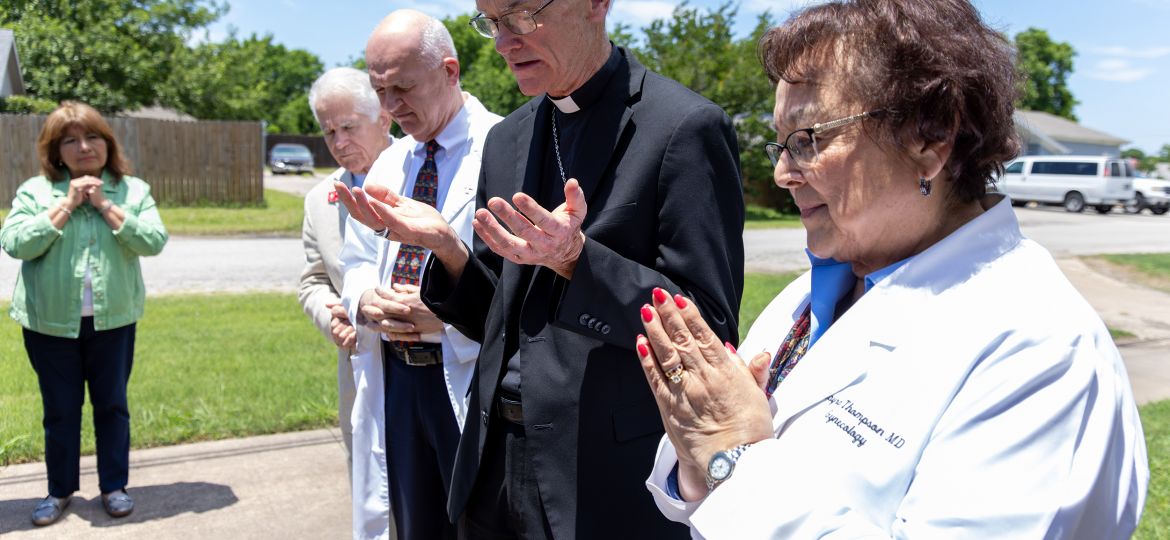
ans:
(27, 105)
(295, 117)
(1046, 66)
(248, 79)
(621, 36)
(483, 71)
(112, 54)
(699, 50)
(1144, 162)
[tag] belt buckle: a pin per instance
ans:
(408, 356)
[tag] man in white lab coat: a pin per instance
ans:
(428, 364)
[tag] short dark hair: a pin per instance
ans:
(933, 66)
(76, 113)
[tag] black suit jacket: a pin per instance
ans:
(660, 171)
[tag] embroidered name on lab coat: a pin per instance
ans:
(847, 417)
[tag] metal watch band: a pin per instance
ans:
(732, 455)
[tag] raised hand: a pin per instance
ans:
(710, 400)
(79, 190)
(534, 235)
(405, 220)
(358, 206)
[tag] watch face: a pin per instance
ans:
(720, 467)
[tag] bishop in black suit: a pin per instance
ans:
(626, 182)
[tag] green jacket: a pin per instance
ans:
(47, 298)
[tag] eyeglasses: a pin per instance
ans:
(802, 143)
(518, 22)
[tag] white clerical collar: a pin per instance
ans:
(565, 104)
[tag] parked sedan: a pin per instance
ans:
(1152, 193)
(290, 158)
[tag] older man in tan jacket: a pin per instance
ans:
(356, 130)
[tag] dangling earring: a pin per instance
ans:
(924, 186)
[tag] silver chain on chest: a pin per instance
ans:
(557, 148)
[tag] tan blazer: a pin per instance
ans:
(323, 234)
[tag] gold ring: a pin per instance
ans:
(675, 374)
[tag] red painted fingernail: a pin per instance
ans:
(659, 296)
(643, 350)
(647, 314)
(729, 346)
(680, 301)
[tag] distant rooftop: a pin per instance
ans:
(154, 112)
(1050, 126)
(11, 81)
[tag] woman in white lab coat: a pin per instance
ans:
(934, 375)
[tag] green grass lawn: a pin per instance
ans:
(758, 291)
(1152, 269)
(1155, 522)
(281, 215)
(205, 367)
(759, 217)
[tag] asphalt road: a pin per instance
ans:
(200, 264)
(1064, 234)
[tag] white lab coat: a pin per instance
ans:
(973, 393)
(368, 261)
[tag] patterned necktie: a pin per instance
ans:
(408, 265)
(791, 351)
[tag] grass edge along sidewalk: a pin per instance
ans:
(206, 367)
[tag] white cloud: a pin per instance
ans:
(1118, 70)
(1128, 52)
(639, 13)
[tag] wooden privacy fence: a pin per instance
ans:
(184, 162)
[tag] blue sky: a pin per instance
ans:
(1121, 77)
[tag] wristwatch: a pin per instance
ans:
(722, 464)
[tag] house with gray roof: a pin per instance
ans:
(11, 82)
(1042, 134)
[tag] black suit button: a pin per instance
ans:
(584, 319)
(605, 329)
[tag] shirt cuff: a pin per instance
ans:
(672, 484)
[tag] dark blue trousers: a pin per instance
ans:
(64, 367)
(421, 438)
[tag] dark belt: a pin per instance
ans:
(510, 409)
(430, 354)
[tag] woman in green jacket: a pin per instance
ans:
(80, 229)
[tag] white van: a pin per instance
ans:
(1071, 181)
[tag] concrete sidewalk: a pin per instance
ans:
(285, 486)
